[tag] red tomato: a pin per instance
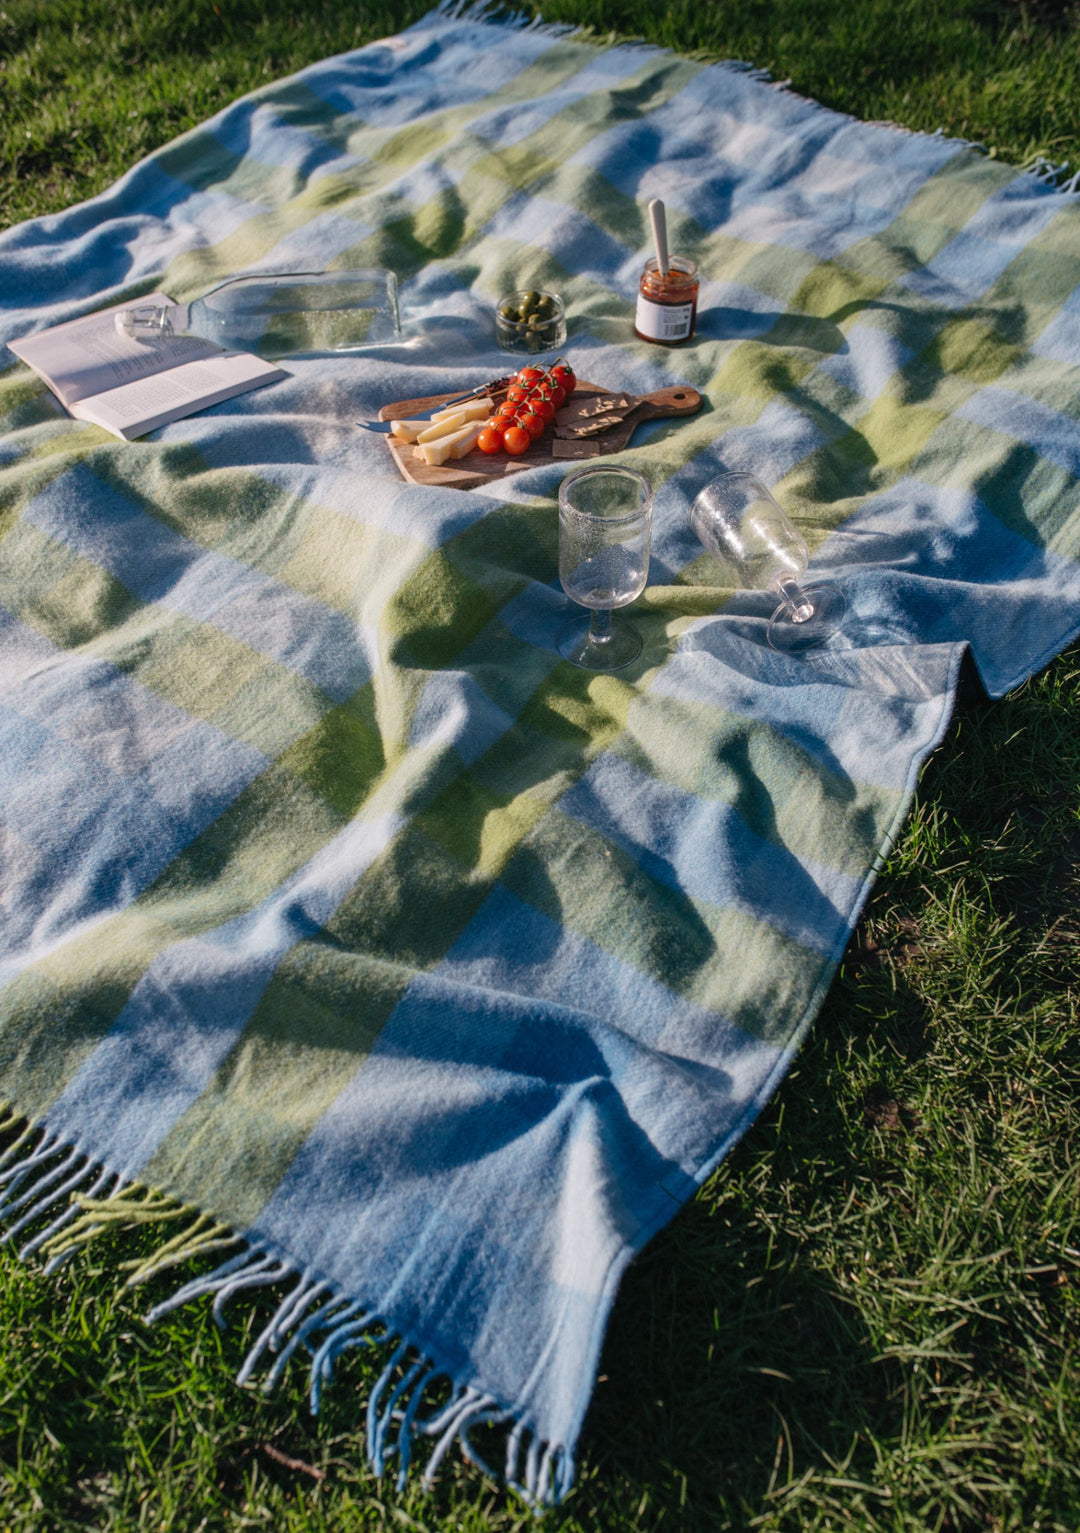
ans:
(517, 394)
(498, 423)
(564, 377)
(556, 394)
(507, 411)
(544, 408)
(489, 441)
(516, 441)
(529, 375)
(532, 423)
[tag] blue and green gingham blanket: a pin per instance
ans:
(417, 972)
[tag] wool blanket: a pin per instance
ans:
(420, 973)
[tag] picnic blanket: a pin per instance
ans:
(393, 960)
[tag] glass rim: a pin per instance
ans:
(541, 292)
(621, 472)
(683, 265)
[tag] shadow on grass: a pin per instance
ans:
(749, 1345)
(735, 1362)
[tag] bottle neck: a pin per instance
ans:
(148, 321)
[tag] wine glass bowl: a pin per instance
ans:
(605, 525)
(737, 517)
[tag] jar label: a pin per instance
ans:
(663, 321)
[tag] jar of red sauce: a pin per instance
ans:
(667, 301)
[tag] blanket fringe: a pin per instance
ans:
(491, 13)
(1055, 176)
(415, 1397)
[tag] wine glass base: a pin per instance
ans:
(791, 638)
(575, 644)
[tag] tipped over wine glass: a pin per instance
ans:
(737, 517)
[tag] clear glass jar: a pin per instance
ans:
(667, 302)
(531, 321)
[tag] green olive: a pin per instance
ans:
(546, 306)
(509, 312)
(528, 302)
(538, 321)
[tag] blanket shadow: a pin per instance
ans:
(736, 1361)
(745, 1355)
(776, 327)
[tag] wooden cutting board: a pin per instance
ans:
(580, 431)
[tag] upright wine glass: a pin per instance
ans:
(736, 517)
(605, 524)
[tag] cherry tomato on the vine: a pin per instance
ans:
(529, 375)
(531, 422)
(507, 411)
(498, 423)
(517, 393)
(489, 440)
(516, 441)
(564, 377)
(544, 408)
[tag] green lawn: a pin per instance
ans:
(869, 1318)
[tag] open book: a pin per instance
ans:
(131, 386)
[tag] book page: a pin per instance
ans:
(90, 356)
(146, 403)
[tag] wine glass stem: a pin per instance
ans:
(600, 626)
(798, 604)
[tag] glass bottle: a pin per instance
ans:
(278, 313)
(667, 301)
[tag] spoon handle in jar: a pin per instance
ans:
(659, 234)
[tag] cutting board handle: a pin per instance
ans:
(680, 399)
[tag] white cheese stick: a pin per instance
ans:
(408, 431)
(439, 428)
(472, 410)
(421, 431)
(456, 445)
(466, 443)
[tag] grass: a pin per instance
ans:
(869, 1318)
(90, 86)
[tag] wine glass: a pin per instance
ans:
(736, 517)
(605, 522)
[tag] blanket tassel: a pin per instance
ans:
(44, 1178)
(125, 1205)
